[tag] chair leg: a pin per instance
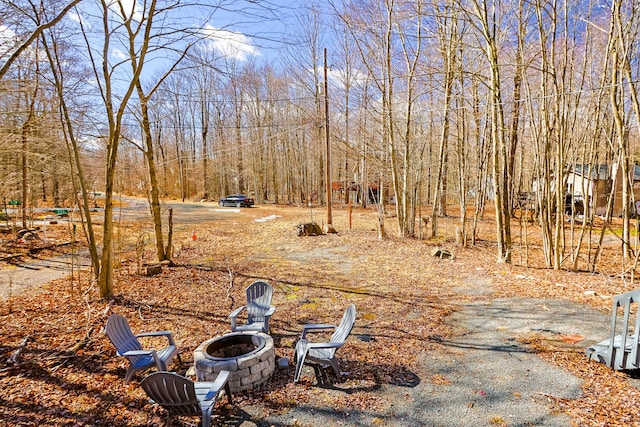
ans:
(301, 354)
(265, 327)
(227, 388)
(129, 374)
(336, 367)
(298, 371)
(206, 416)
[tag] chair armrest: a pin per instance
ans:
(218, 384)
(324, 344)
(167, 334)
(315, 327)
(133, 353)
(233, 316)
(159, 363)
(237, 311)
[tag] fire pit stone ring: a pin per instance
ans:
(249, 357)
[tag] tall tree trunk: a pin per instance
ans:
(115, 117)
(499, 167)
(25, 167)
(154, 190)
(204, 133)
(77, 176)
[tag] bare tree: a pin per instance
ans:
(65, 77)
(138, 26)
(623, 34)
(304, 63)
(163, 253)
(487, 25)
(33, 34)
(449, 40)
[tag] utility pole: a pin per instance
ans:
(329, 228)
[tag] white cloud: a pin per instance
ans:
(6, 33)
(74, 16)
(234, 45)
(8, 40)
(130, 7)
(338, 76)
(118, 54)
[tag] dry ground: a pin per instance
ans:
(68, 374)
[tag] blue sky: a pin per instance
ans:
(240, 30)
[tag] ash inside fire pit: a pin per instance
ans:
(234, 346)
(249, 357)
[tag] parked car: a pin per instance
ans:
(237, 200)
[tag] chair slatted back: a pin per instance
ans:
(174, 393)
(346, 325)
(625, 354)
(119, 333)
(259, 296)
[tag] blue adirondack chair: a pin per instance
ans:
(127, 345)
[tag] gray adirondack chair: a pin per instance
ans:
(180, 396)
(127, 345)
(622, 350)
(258, 307)
(324, 353)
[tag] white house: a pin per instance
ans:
(596, 183)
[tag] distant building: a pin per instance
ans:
(596, 182)
(356, 195)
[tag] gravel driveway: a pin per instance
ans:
(33, 274)
(486, 376)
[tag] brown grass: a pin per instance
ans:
(68, 374)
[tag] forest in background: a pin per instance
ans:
(443, 107)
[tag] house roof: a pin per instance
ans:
(593, 172)
(601, 171)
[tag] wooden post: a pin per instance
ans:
(328, 143)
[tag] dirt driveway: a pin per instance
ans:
(32, 272)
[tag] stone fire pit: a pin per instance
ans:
(250, 357)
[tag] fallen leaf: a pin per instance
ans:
(572, 338)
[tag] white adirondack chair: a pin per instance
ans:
(324, 353)
(127, 345)
(622, 350)
(259, 309)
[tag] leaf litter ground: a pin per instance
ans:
(68, 375)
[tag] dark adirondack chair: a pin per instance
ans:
(324, 353)
(180, 396)
(127, 345)
(259, 309)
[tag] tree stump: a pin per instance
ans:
(441, 253)
(152, 269)
(309, 229)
